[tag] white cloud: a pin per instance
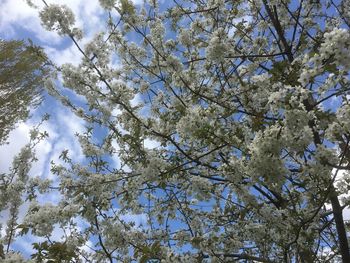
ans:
(18, 138)
(151, 144)
(61, 128)
(16, 15)
(138, 219)
(18, 19)
(60, 56)
(66, 125)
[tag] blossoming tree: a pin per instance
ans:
(246, 104)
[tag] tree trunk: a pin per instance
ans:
(339, 222)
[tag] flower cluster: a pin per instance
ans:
(61, 19)
(42, 219)
(107, 4)
(217, 48)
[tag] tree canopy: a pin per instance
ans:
(230, 121)
(23, 71)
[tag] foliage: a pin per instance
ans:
(23, 71)
(250, 157)
(53, 253)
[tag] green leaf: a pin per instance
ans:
(23, 229)
(2, 254)
(331, 67)
(144, 259)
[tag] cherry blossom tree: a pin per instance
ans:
(230, 121)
